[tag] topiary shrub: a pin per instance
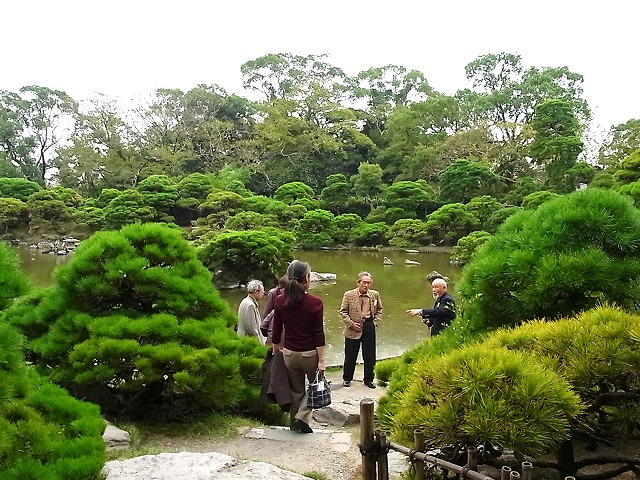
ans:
(44, 432)
(598, 353)
(135, 325)
(238, 256)
(486, 396)
(481, 395)
(567, 256)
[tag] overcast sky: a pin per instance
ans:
(125, 48)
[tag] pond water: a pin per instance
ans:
(401, 287)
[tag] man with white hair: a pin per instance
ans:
(249, 317)
(442, 313)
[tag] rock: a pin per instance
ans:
(115, 437)
(322, 277)
(411, 262)
(412, 251)
(387, 261)
(193, 466)
(434, 274)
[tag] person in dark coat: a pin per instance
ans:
(443, 312)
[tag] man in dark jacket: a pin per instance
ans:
(442, 313)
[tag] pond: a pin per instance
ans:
(401, 287)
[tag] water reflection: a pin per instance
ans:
(401, 287)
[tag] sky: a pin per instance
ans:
(128, 48)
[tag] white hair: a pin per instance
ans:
(254, 286)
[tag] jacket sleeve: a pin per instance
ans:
(445, 310)
(344, 310)
(378, 307)
(271, 300)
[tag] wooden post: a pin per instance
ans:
(505, 472)
(383, 462)
(527, 471)
(472, 458)
(366, 439)
(418, 438)
(514, 475)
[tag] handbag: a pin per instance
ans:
(319, 392)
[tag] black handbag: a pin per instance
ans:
(319, 392)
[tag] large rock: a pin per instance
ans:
(193, 466)
(339, 414)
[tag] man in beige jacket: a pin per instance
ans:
(361, 310)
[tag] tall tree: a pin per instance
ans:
(383, 89)
(503, 99)
(557, 144)
(104, 151)
(622, 140)
(506, 94)
(49, 117)
(33, 124)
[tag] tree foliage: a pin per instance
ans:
(463, 180)
(557, 142)
(13, 282)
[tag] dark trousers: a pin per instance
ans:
(351, 349)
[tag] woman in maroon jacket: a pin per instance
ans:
(301, 315)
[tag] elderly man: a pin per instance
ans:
(249, 317)
(361, 310)
(442, 313)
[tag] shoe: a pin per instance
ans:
(370, 384)
(346, 384)
(303, 426)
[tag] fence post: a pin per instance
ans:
(505, 472)
(367, 440)
(472, 458)
(383, 462)
(514, 475)
(527, 471)
(418, 438)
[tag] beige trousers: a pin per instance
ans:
(301, 367)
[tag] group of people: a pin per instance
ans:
(292, 322)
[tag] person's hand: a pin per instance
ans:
(355, 326)
(414, 311)
(277, 347)
(321, 365)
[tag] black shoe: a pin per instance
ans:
(346, 383)
(370, 384)
(303, 426)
